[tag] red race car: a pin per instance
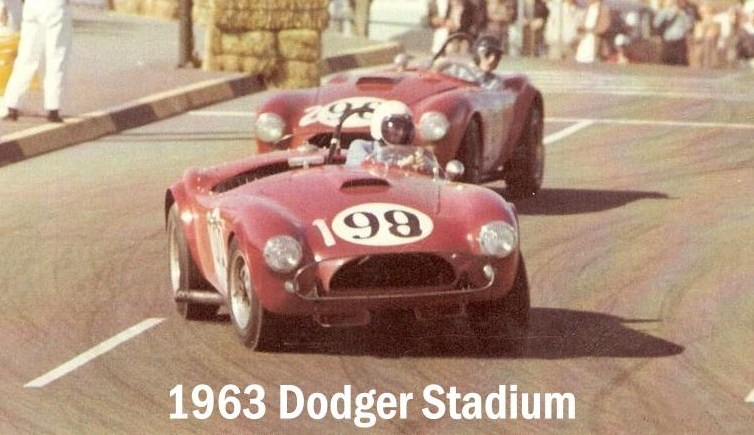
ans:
(295, 234)
(496, 134)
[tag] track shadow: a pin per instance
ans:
(554, 334)
(558, 202)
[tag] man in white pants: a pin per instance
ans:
(46, 31)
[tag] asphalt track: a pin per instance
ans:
(638, 249)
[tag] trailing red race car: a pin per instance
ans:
(297, 234)
(496, 134)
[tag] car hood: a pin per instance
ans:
(345, 212)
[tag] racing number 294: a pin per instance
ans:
(228, 402)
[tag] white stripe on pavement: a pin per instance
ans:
(657, 123)
(554, 137)
(750, 398)
(92, 353)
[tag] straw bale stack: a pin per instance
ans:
(167, 9)
(277, 39)
(128, 6)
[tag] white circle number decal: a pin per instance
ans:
(382, 224)
(329, 114)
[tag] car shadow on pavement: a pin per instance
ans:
(554, 334)
(557, 202)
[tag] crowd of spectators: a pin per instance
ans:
(675, 32)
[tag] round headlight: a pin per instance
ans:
(282, 253)
(498, 238)
(433, 126)
(269, 127)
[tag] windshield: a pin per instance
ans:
(413, 158)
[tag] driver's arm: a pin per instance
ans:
(358, 151)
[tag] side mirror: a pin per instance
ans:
(454, 170)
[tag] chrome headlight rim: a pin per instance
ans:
(433, 126)
(498, 239)
(269, 127)
(282, 254)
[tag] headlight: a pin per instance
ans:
(433, 126)
(282, 253)
(498, 238)
(269, 127)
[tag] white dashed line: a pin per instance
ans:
(92, 353)
(554, 137)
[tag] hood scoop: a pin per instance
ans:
(376, 82)
(364, 182)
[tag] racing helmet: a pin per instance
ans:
(397, 129)
(393, 123)
(486, 45)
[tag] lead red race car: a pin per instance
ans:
(496, 133)
(296, 234)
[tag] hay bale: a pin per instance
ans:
(295, 75)
(128, 6)
(165, 9)
(301, 45)
(240, 15)
(255, 43)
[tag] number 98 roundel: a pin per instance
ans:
(382, 224)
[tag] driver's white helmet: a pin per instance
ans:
(385, 110)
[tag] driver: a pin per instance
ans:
(391, 124)
(487, 53)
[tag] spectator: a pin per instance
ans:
(338, 11)
(46, 31)
(705, 37)
(561, 30)
(534, 16)
(745, 43)
(674, 25)
(10, 16)
(360, 10)
(620, 55)
(446, 17)
(478, 12)
(501, 14)
(593, 28)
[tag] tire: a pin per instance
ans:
(527, 166)
(256, 327)
(508, 316)
(184, 274)
(470, 153)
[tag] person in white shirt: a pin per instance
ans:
(46, 33)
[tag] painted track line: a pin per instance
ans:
(656, 123)
(554, 137)
(750, 397)
(93, 353)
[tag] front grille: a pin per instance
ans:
(394, 271)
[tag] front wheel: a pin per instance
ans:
(508, 316)
(184, 274)
(470, 153)
(527, 166)
(253, 323)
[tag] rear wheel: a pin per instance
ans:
(254, 324)
(470, 153)
(508, 316)
(526, 168)
(184, 274)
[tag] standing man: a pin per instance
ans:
(360, 10)
(46, 32)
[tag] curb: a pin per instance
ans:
(42, 139)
